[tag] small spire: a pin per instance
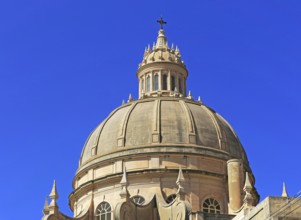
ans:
(123, 102)
(248, 188)
(172, 47)
(199, 99)
(189, 95)
(154, 46)
(284, 191)
(130, 98)
(181, 178)
(148, 47)
(124, 182)
(124, 179)
(176, 94)
(180, 181)
(53, 194)
(46, 207)
(53, 207)
(46, 202)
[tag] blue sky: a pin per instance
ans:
(65, 65)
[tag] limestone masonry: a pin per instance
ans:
(166, 156)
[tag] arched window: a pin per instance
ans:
(142, 85)
(103, 211)
(211, 206)
(156, 82)
(148, 83)
(139, 200)
(180, 85)
(164, 80)
(173, 83)
(171, 198)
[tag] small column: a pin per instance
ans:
(177, 82)
(140, 87)
(160, 80)
(151, 82)
(235, 184)
(169, 81)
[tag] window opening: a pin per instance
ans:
(142, 84)
(148, 83)
(156, 82)
(171, 198)
(211, 206)
(139, 200)
(173, 83)
(164, 86)
(103, 211)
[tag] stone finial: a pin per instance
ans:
(124, 191)
(176, 93)
(199, 99)
(123, 102)
(172, 46)
(180, 181)
(189, 95)
(130, 98)
(53, 207)
(154, 46)
(248, 188)
(46, 207)
(53, 195)
(284, 191)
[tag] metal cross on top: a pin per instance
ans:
(161, 22)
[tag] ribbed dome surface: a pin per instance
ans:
(165, 121)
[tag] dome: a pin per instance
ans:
(141, 148)
(162, 122)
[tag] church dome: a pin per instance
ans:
(162, 122)
(141, 148)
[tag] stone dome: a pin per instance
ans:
(162, 122)
(151, 139)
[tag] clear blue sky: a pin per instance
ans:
(59, 61)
